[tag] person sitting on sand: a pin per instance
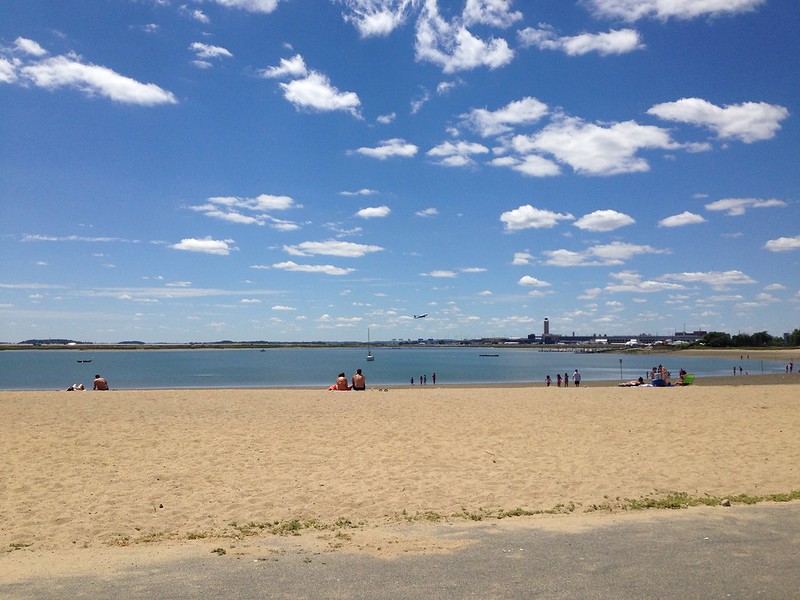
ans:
(341, 384)
(359, 381)
(100, 383)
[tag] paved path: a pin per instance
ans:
(738, 552)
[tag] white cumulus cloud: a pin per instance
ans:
(596, 149)
(453, 47)
(783, 244)
(528, 217)
(294, 67)
(373, 212)
(604, 220)
(205, 245)
(748, 122)
(684, 218)
(315, 92)
(530, 281)
(390, 148)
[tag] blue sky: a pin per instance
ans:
(193, 170)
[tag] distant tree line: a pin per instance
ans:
(762, 339)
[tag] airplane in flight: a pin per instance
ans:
(422, 316)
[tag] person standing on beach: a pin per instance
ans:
(434, 377)
(547, 381)
(566, 379)
(558, 380)
(100, 383)
(576, 377)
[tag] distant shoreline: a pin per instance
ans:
(788, 354)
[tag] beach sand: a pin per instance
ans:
(160, 473)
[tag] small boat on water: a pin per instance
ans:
(88, 360)
(490, 355)
(370, 357)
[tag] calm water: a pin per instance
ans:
(312, 367)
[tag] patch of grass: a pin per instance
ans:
(219, 551)
(18, 546)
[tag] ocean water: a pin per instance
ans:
(318, 367)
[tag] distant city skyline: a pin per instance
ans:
(295, 171)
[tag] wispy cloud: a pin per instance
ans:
(616, 41)
(486, 123)
(633, 10)
(206, 51)
(376, 18)
(70, 71)
(254, 6)
(332, 248)
(427, 212)
(320, 269)
(249, 211)
(718, 280)
(615, 253)
(456, 154)
(736, 207)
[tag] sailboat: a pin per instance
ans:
(369, 349)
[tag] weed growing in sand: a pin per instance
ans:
(290, 527)
(677, 500)
(17, 546)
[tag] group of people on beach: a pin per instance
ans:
(576, 379)
(100, 383)
(423, 379)
(357, 382)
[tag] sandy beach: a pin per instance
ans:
(164, 471)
